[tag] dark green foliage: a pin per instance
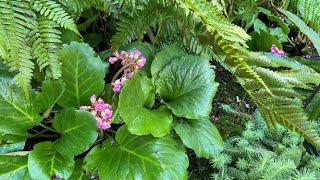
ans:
(259, 154)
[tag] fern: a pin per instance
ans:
(28, 30)
(285, 107)
(46, 41)
(56, 13)
(16, 22)
(273, 91)
(225, 34)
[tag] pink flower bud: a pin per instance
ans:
(136, 54)
(123, 55)
(99, 107)
(116, 86)
(129, 75)
(112, 60)
(141, 62)
(116, 53)
(93, 99)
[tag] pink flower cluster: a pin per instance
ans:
(274, 50)
(133, 61)
(101, 111)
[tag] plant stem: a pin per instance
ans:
(109, 94)
(112, 131)
(50, 129)
(151, 36)
(230, 8)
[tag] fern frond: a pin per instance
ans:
(129, 29)
(286, 107)
(16, 22)
(54, 11)
(226, 35)
(46, 41)
(78, 6)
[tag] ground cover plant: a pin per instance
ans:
(137, 89)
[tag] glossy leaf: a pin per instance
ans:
(79, 131)
(14, 168)
(201, 136)
(16, 114)
(45, 162)
(51, 91)
(83, 72)
(139, 157)
(11, 143)
(136, 95)
(165, 57)
(187, 86)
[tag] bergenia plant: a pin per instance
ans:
(86, 129)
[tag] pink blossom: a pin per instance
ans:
(112, 60)
(141, 62)
(133, 62)
(93, 98)
(116, 85)
(101, 111)
(274, 50)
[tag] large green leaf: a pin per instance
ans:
(45, 162)
(83, 72)
(51, 91)
(16, 114)
(14, 168)
(165, 57)
(11, 143)
(78, 173)
(136, 96)
(139, 157)
(201, 136)
(79, 131)
(187, 86)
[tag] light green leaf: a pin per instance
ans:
(78, 173)
(258, 24)
(140, 157)
(83, 72)
(279, 34)
(165, 57)
(201, 136)
(45, 162)
(187, 86)
(51, 91)
(135, 98)
(11, 143)
(312, 35)
(16, 114)
(79, 131)
(262, 41)
(14, 168)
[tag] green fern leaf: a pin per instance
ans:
(16, 22)
(46, 40)
(56, 13)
